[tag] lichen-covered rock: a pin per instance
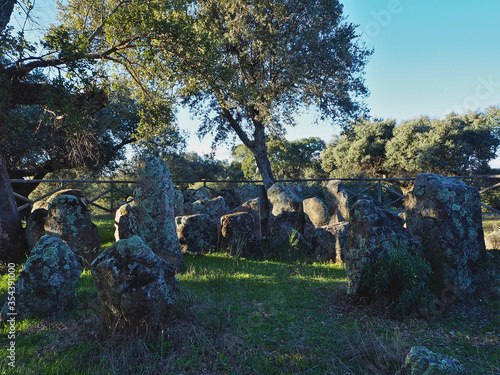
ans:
(422, 361)
(193, 195)
(196, 233)
(46, 284)
(336, 198)
(492, 241)
(179, 202)
(315, 211)
(137, 289)
(253, 207)
(373, 232)
(70, 220)
(151, 215)
(215, 207)
(286, 210)
(231, 197)
(126, 224)
(35, 226)
(328, 243)
(445, 214)
(249, 192)
(238, 235)
(74, 192)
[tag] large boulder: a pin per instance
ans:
(69, 219)
(74, 192)
(137, 289)
(231, 197)
(336, 198)
(249, 192)
(286, 210)
(151, 215)
(35, 226)
(254, 207)
(445, 214)
(238, 235)
(373, 233)
(197, 233)
(46, 284)
(315, 211)
(422, 361)
(215, 207)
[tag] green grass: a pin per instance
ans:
(242, 316)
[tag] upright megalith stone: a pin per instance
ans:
(197, 233)
(286, 208)
(151, 215)
(238, 235)
(46, 284)
(137, 289)
(35, 226)
(336, 198)
(373, 234)
(69, 219)
(316, 211)
(445, 214)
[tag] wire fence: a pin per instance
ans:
(108, 195)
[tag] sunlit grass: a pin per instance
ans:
(250, 316)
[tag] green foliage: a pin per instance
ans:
(296, 159)
(359, 149)
(401, 279)
(456, 145)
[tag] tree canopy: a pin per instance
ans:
(455, 145)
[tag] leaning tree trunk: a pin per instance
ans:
(259, 151)
(12, 243)
(6, 8)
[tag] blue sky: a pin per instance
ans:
(431, 57)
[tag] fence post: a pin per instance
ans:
(379, 191)
(111, 202)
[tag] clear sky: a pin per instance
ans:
(431, 57)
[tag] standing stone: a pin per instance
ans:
(254, 208)
(286, 209)
(137, 289)
(70, 220)
(35, 226)
(197, 233)
(46, 284)
(373, 233)
(231, 197)
(315, 211)
(336, 198)
(151, 215)
(445, 214)
(422, 361)
(238, 235)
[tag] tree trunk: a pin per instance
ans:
(12, 243)
(6, 8)
(259, 151)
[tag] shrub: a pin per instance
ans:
(401, 279)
